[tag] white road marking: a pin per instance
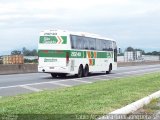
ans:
(34, 83)
(56, 83)
(99, 78)
(80, 79)
(148, 70)
(94, 77)
(142, 66)
(31, 84)
(114, 77)
(107, 75)
(122, 73)
(137, 74)
(30, 88)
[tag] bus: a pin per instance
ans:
(63, 52)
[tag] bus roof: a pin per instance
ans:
(58, 31)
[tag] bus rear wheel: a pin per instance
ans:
(86, 71)
(80, 71)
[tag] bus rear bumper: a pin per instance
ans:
(53, 69)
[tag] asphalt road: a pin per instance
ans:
(15, 84)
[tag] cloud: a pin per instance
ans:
(77, 9)
(130, 22)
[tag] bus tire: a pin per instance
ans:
(110, 69)
(86, 70)
(80, 71)
(54, 75)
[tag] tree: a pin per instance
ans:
(137, 49)
(130, 49)
(27, 52)
(34, 52)
(15, 52)
(155, 53)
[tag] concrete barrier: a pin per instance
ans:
(32, 68)
(18, 68)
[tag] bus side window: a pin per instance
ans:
(107, 45)
(98, 44)
(111, 45)
(73, 42)
(104, 45)
(86, 43)
(92, 43)
(80, 42)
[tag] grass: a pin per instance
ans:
(152, 107)
(96, 98)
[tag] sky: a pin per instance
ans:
(133, 23)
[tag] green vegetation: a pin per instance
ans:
(16, 52)
(31, 61)
(153, 53)
(97, 98)
(156, 53)
(25, 52)
(152, 107)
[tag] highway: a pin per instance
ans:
(15, 84)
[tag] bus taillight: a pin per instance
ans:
(67, 58)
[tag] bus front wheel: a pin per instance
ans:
(109, 70)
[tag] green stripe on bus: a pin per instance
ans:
(93, 61)
(52, 53)
(73, 54)
(92, 54)
(104, 54)
(85, 54)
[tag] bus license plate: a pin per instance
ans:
(51, 67)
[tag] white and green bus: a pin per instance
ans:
(64, 52)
